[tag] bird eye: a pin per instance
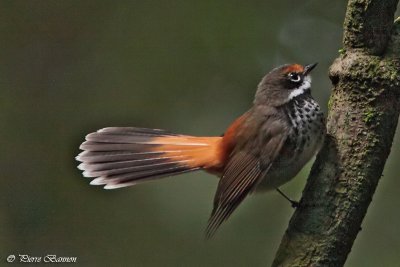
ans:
(294, 77)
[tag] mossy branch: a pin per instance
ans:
(363, 114)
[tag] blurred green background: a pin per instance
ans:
(71, 67)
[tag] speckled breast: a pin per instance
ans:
(306, 137)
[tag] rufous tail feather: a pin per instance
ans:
(123, 156)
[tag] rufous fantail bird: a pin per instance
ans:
(261, 150)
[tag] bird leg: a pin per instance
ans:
(295, 204)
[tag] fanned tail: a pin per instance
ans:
(123, 156)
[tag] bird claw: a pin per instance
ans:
(295, 204)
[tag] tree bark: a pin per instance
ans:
(363, 114)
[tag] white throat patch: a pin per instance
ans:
(306, 85)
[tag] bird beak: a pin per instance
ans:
(309, 68)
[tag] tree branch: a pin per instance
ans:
(363, 113)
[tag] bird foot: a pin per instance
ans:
(294, 204)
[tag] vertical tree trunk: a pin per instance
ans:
(363, 114)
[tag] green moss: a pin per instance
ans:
(369, 115)
(330, 102)
(372, 69)
(347, 119)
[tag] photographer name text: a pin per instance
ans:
(24, 258)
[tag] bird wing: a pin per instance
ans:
(255, 150)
